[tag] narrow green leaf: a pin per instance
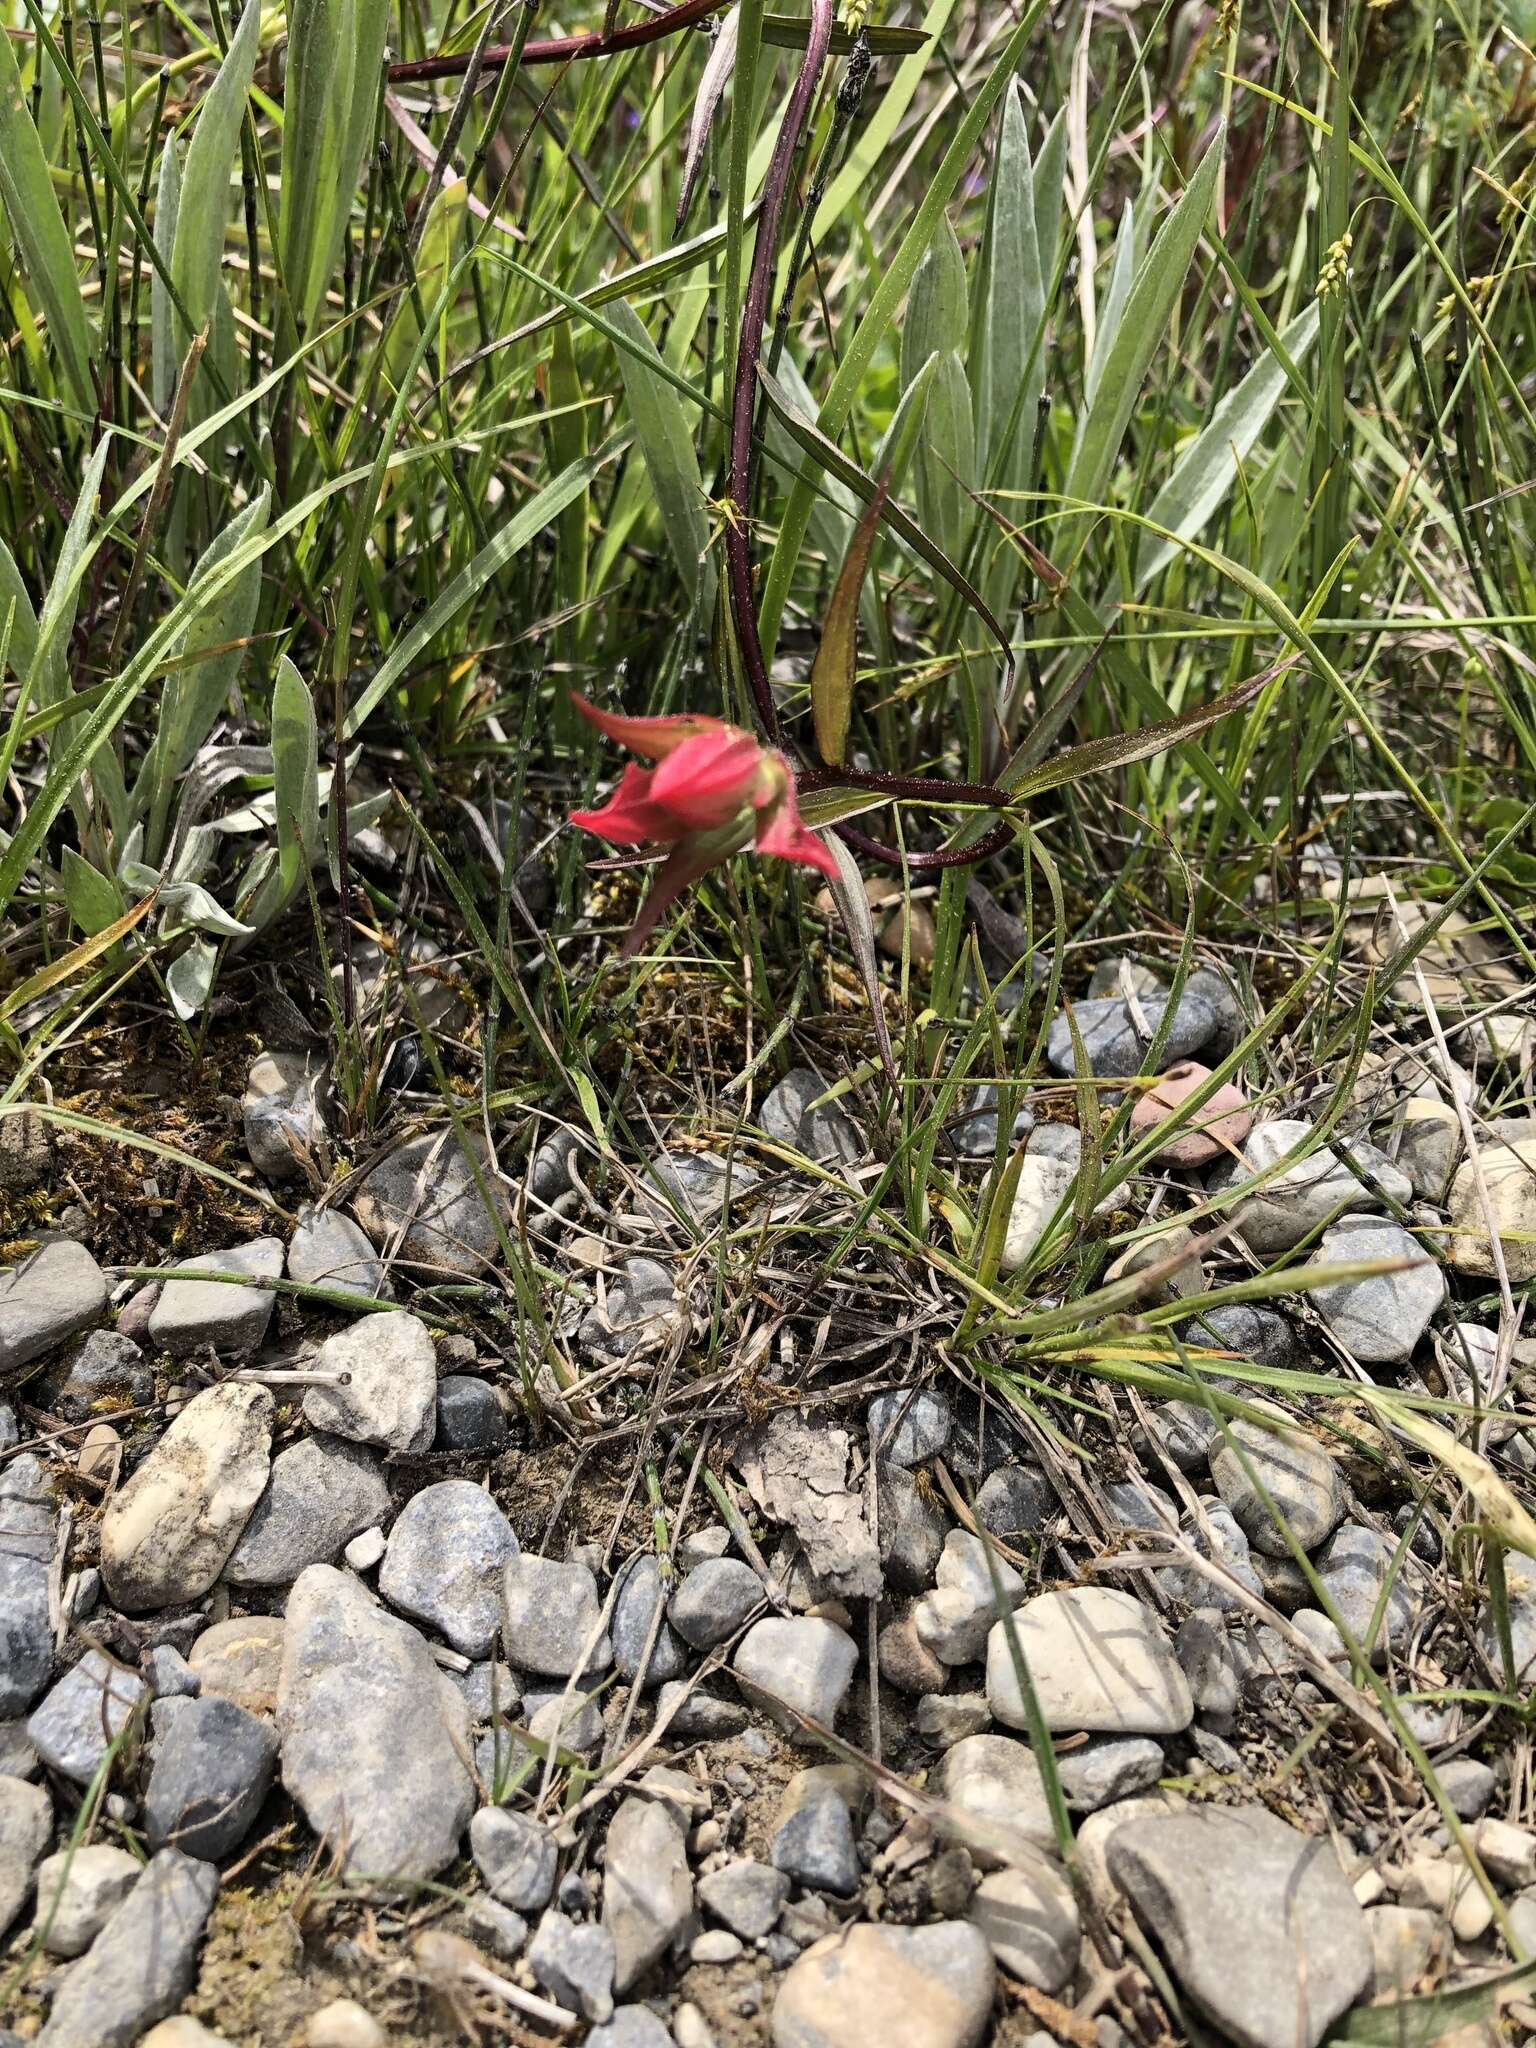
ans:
(1050, 182)
(199, 686)
(1112, 305)
(540, 511)
(42, 241)
(1115, 750)
(1205, 472)
(666, 437)
(1149, 306)
(871, 330)
(47, 680)
(23, 641)
(1010, 357)
(335, 49)
(165, 355)
(203, 212)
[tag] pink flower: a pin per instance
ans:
(713, 791)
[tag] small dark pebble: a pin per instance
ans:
(469, 1416)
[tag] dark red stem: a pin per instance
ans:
(558, 49)
(754, 313)
(925, 863)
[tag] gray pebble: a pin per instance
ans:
(641, 1591)
(713, 1601)
(211, 1772)
(908, 1425)
(552, 1617)
(76, 1722)
(574, 1964)
(515, 1856)
(444, 1561)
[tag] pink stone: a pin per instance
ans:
(1219, 1125)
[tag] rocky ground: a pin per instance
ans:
(654, 1661)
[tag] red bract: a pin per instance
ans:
(713, 792)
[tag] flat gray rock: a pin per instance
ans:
(1259, 1927)
(444, 1561)
(1213, 1534)
(141, 1966)
(714, 1600)
(911, 1531)
(327, 1249)
(909, 1425)
(78, 1892)
(56, 1292)
(692, 1186)
(793, 1115)
(1300, 1197)
(574, 1963)
(1302, 1480)
(230, 1317)
(1100, 1661)
(1030, 1920)
(1109, 1768)
(552, 1617)
(168, 1533)
(813, 1833)
(744, 1896)
(647, 1887)
(26, 1826)
(211, 1772)
(796, 1662)
(639, 1606)
(26, 1553)
(424, 1207)
(632, 2026)
(103, 1372)
(640, 1311)
(73, 1726)
(1113, 1041)
(358, 1694)
(1355, 1565)
(515, 1856)
(1015, 1501)
(322, 1492)
(996, 1783)
(926, 1987)
(1378, 1320)
(390, 1398)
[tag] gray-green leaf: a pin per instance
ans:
(1205, 472)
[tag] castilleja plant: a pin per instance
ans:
(714, 791)
(717, 790)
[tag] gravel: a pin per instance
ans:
(515, 1856)
(53, 1294)
(647, 1887)
(790, 1664)
(322, 1492)
(141, 1965)
(1233, 1896)
(75, 1724)
(229, 1318)
(444, 1562)
(211, 1772)
(926, 1987)
(713, 1601)
(553, 1616)
(26, 1826)
(358, 1692)
(1100, 1660)
(390, 1398)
